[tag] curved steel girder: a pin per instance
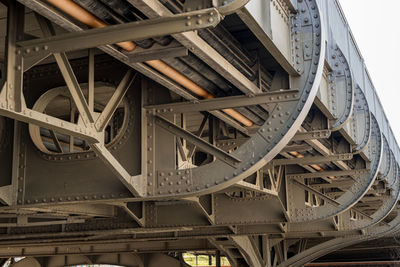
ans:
(341, 88)
(386, 163)
(347, 223)
(300, 212)
(360, 132)
(388, 204)
(282, 124)
(277, 131)
(393, 166)
(334, 244)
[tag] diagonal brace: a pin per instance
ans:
(115, 100)
(74, 88)
(197, 141)
(133, 183)
(68, 74)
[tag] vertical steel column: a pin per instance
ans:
(14, 67)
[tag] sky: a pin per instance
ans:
(376, 28)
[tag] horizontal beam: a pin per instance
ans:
(226, 102)
(112, 34)
(90, 247)
(52, 123)
(327, 174)
(321, 134)
(312, 160)
(197, 141)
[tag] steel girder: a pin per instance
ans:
(341, 242)
(300, 212)
(277, 130)
(305, 171)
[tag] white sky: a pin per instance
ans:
(376, 27)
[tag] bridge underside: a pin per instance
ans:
(134, 131)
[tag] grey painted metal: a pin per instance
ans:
(197, 141)
(315, 159)
(226, 102)
(319, 171)
(341, 87)
(361, 133)
(122, 32)
(300, 212)
(336, 243)
(276, 131)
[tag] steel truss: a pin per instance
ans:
(162, 134)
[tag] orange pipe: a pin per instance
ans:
(179, 78)
(300, 156)
(185, 82)
(84, 16)
(81, 14)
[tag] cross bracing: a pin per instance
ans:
(135, 130)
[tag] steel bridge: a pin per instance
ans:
(132, 131)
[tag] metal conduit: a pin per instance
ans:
(82, 15)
